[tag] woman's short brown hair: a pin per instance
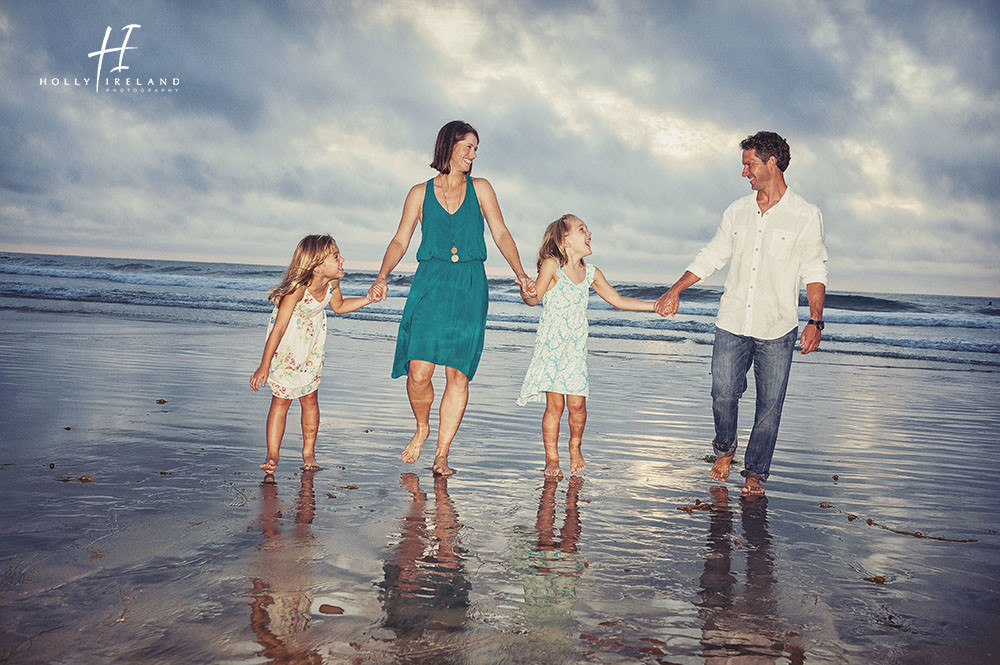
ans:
(449, 135)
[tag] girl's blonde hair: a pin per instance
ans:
(552, 241)
(310, 252)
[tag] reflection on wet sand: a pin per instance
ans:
(425, 594)
(550, 569)
(280, 611)
(741, 627)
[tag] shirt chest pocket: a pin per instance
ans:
(781, 244)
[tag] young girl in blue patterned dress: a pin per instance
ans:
(296, 341)
(558, 366)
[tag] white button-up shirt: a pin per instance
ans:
(768, 253)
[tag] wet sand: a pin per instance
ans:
(135, 531)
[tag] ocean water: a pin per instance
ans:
(862, 328)
(135, 526)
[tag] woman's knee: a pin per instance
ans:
(456, 380)
(420, 373)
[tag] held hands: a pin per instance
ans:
(667, 304)
(810, 338)
(527, 286)
(379, 290)
(259, 377)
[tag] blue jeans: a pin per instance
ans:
(732, 356)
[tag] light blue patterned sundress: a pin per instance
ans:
(559, 362)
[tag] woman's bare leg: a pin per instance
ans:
(453, 403)
(420, 390)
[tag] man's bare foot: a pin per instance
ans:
(720, 496)
(720, 470)
(441, 467)
(552, 471)
(753, 487)
(309, 463)
(576, 463)
(269, 465)
(411, 453)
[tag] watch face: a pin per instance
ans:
(818, 324)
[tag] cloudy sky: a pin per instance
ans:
(303, 117)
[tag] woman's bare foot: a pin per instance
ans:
(441, 467)
(411, 484)
(411, 453)
(269, 465)
(720, 470)
(309, 463)
(753, 487)
(576, 462)
(552, 470)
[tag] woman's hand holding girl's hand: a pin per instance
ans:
(527, 286)
(259, 377)
(379, 290)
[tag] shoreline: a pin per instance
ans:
(174, 514)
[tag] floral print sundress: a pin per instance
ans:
(297, 364)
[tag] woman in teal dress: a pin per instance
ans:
(444, 320)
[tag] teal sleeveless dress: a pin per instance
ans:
(444, 320)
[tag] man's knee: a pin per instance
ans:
(725, 388)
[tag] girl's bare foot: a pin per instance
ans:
(576, 462)
(753, 487)
(309, 463)
(553, 471)
(720, 470)
(411, 453)
(441, 467)
(269, 465)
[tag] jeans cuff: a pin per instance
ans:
(724, 449)
(747, 473)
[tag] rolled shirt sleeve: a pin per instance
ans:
(813, 251)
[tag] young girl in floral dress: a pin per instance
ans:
(296, 340)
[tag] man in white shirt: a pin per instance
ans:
(771, 238)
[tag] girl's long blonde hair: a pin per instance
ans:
(552, 241)
(310, 252)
